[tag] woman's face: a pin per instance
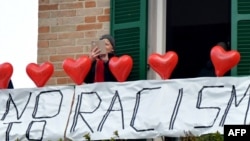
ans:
(108, 45)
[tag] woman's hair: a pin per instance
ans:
(223, 45)
(110, 38)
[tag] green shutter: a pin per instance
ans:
(240, 25)
(129, 28)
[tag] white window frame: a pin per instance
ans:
(157, 15)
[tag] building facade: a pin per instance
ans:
(142, 27)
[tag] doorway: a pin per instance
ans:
(193, 28)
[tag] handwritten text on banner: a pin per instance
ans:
(136, 109)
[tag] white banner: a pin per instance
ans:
(136, 109)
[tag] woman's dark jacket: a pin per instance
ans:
(108, 76)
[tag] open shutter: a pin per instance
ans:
(129, 28)
(240, 25)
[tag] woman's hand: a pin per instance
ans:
(94, 53)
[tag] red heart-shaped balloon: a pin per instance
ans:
(40, 74)
(6, 71)
(77, 69)
(223, 60)
(121, 67)
(163, 64)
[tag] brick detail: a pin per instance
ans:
(106, 11)
(44, 15)
(42, 58)
(51, 81)
(43, 44)
(63, 13)
(90, 4)
(70, 35)
(59, 58)
(46, 51)
(104, 18)
(57, 65)
(48, 7)
(89, 27)
(73, 5)
(66, 28)
(59, 73)
(90, 19)
(47, 36)
(48, 22)
(70, 21)
(43, 29)
(69, 50)
(64, 80)
(62, 42)
(90, 34)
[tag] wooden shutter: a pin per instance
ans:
(129, 28)
(240, 27)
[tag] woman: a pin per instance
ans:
(100, 71)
